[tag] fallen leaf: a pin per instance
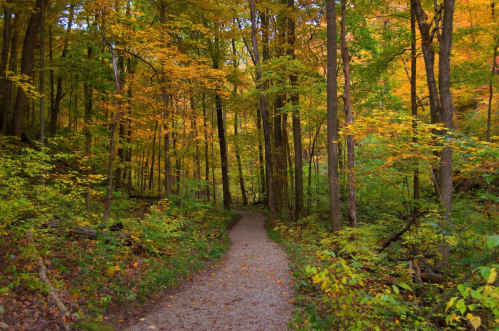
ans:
(142, 319)
(152, 327)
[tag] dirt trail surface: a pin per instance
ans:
(251, 291)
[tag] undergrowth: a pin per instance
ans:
(342, 283)
(146, 246)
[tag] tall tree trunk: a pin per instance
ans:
(236, 141)
(128, 155)
(265, 122)
(42, 80)
(446, 103)
(7, 95)
(7, 29)
(491, 85)
(166, 99)
(263, 183)
(109, 193)
(58, 96)
(27, 60)
(221, 133)
(332, 118)
(310, 167)
(206, 159)
(352, 199)
(285, 152)
(278, 155)
(414, 105)
(87, 90)
(151, 173)
(121, 131)
(296, 121)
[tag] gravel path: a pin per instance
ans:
(251, 291)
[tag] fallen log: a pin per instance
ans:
(42, 274)
(94, 234)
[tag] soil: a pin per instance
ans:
(250, 289)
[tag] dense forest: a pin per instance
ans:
(368, 131)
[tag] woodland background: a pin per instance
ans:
(367, 129)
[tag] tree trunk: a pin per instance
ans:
(42, 80)
(414, 105)
(221, 133)
(491, 85)
(296, 122)
(206, 159)
(151, 173)
(332, 118)
(7, 29)
(54, 113)
(446, 103)
(27, 60)
(7, 95)
(116, 119)
(352, 199)
(87, 90)
(266, 127)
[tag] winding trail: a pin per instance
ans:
(251, 291)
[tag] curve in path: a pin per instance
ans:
(251, 291)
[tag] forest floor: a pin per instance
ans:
(249, 289)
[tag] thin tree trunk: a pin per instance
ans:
(285, 152)
(296, 122)
(414, 105)
(87, 90)
(42, 80)
(266, 127)
(310, 167)
(278, 155)
(221, 132)
(332, 118)
(58, 96)
(206, 159)
(236, 142)
(491, 85)
(151, 174)
(352, 199)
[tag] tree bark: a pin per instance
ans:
(332, 118)
(27, 61)
(109, 193)
(266, 127)
(352, 198)
(491, 85)
(414, 105)
(7, 95)
(206, 150)
(54, 112)
(446, 104)
(295, 101)
(221, 133)
(87, 91)
(42, 79)
(7, 29)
